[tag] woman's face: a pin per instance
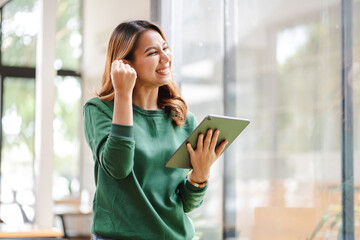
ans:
(152, 60)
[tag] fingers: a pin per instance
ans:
(200, 141)
(209, 143)
(130, 68)
(121, 64)
(123, 77)
(214, 139)
(208, 139)
(123, 68)
(115, 65)
(221, 148)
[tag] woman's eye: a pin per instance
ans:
(152, 53)
(166, 48)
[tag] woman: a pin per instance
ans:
(133, 126)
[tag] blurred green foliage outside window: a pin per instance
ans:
(19, 28)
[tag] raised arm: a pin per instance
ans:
(123, 78)
(110, 134)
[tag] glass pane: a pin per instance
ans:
(19, 28)
(288, 84)
(68, 35)
(356, 94)
(17, 153)
(67, 136)
(201, 85)
(201, 55)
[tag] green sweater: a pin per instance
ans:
(136, 196)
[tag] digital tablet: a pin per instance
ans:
(229, 128)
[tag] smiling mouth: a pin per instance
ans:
(163, 71)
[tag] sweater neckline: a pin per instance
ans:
(148, 112)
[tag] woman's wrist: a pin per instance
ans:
(197, 182)
(122, 110)
(198, 178)
(123, 94)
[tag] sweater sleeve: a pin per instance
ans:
(191, 196)
(112, 145)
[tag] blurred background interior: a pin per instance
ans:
(277, 63)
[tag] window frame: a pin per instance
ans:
(27, 73)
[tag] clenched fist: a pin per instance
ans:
(123, 77)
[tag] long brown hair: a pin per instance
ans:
(122, 45)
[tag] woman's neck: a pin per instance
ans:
(146, 98)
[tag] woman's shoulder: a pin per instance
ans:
(99, 103)
(190, 116)
(190, 120)
(104, 106)
(95, 101)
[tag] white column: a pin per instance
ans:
(44, 113)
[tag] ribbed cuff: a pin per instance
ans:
(122, 131)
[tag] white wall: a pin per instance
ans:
(100, 18)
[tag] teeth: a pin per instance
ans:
(163, 71)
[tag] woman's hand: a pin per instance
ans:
(123, 77)
(204, 155)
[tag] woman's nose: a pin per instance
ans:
(165, 57)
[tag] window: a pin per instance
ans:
(289, 70)
(66, 136)
(20, 25)
(288, 83)
(201, 73)
(69, 35)
(19, 28)
(17, 147)
(68, 107)
(289, 67)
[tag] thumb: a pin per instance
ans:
(189, 148)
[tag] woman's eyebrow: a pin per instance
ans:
(150, 48)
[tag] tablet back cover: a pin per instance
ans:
(229, 127)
